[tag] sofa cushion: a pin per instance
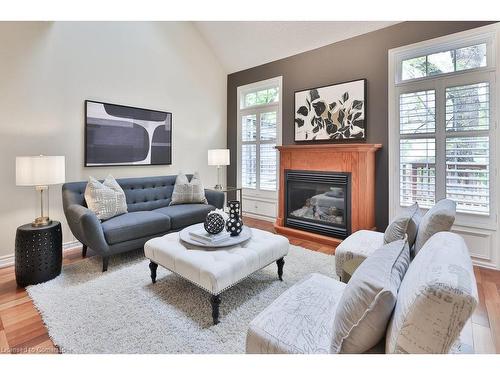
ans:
(436, 298)
(298, 321)
(400, 226)
(369, 298)
(185, 214)
(439, 218)
(360, 244)
(134, 225)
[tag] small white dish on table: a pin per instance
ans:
(220, 268)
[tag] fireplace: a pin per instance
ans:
(310, 173)
(318, 202)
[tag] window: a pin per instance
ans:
(259, 132)
(453, 60)
(441, 101)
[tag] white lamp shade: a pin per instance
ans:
(40, 170)
(218, 157)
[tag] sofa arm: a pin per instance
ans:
(215, 198)
(87, 227)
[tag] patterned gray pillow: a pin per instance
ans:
(439, 218)
(401, 225)
(369, 298)
(105, 199)
(188, 191)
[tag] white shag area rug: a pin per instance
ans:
(121, 311)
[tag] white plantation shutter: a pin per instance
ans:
(467, 147)
(417, 172)
(249, 166)
(417, 148)
(467, 173)
(417, 112)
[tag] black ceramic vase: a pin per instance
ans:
(234, 224)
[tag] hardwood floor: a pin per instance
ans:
(22, 329)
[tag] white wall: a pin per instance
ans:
(48, 69)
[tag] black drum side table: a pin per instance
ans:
(38, 253)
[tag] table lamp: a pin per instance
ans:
(40, 171)
(218, 157)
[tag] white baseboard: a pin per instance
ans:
(6, 261)
(260, 217)
(9, 260)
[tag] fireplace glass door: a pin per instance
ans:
(318, 202)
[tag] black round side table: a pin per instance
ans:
(38, 253)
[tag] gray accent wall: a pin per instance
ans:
(364, 56)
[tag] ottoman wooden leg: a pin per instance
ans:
(280, 262)
(215, 302)
(105, 262)
(153, 267)
(84, 251)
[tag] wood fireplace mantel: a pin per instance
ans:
(356, 158)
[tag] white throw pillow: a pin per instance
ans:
(366, 305)
(188, 191)
(405, 223)
(105, 199)
(439, 218)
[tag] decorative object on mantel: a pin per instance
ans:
(335, 112)
(214, 222)
(219, 158)
(357, 159)
(234, 225)
(40, 171)
(122, 135)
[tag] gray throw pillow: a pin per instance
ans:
(439, 218)
(105, 199)
(188, 191)
(366, 305)
(401, 225)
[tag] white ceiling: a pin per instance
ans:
(245, 44)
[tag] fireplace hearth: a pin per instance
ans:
(318, 202)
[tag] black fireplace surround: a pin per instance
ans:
(318, 202)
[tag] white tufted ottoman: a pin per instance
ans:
(216, 270)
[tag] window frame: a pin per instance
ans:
(258, 110)
(439, 83)
(444, 46)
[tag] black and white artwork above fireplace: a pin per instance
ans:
(122, 135)
(333, 113)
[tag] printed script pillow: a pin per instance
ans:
(188, 191)
(404, 224)
(105, 199)
(366, 305)
(439, 218)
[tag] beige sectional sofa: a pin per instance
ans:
(417, 306)
(435, 300)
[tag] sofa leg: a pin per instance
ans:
(105, 261)
(153, 267)
(280, 262)
(215, 302)
(84, 251)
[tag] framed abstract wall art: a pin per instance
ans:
(334, 113)
(122, 135)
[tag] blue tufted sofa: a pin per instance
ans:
(149, 215)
